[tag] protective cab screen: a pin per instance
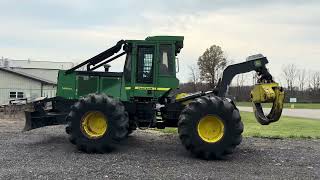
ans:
(145, 64)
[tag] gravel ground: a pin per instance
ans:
(46, 154)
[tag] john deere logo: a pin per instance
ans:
(257, 63)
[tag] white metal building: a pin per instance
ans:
(44, 69)
(25, 79)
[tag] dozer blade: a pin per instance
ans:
(36, 120)
(263, 93)
(47, 112)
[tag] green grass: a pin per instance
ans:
(286, 127)
(286, 105)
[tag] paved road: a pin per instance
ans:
(46, 154)
(304, 113)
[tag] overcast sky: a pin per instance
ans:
(74, 30)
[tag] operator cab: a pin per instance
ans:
(150, 67)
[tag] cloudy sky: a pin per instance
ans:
(74, 30)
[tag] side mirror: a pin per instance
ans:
(177, 64)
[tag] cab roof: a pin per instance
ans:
(177, 40)
(164, 38)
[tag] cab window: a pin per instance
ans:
(145, 64)
(166, 59)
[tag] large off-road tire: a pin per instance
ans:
(210, 127)
(97, 123)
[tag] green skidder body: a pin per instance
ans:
(102, 108)
(79, 84)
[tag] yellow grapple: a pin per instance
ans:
(267, 93)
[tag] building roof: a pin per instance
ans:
(45, 81)
(30, 64)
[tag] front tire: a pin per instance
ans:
(210, 127)
(97, 123)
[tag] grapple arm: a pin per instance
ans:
(265, 91)
(255, 64)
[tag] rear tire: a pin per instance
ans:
(108, 126)
(214, 111)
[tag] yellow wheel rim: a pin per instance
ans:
(94, 124)
(210, 129)
(182, 95)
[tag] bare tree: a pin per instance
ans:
(194, 76)
(290, 74)
(240, 80)
(314, 81)
(211, 64)
(301, 79)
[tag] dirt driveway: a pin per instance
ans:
(302, 113)
(46, 154)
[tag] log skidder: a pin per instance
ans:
(101, 108)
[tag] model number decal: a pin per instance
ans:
(148, 88)
(67, 88)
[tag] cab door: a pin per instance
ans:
(166, 74)
(145, 71)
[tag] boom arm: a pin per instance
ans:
(100, 57)
(231, 71)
